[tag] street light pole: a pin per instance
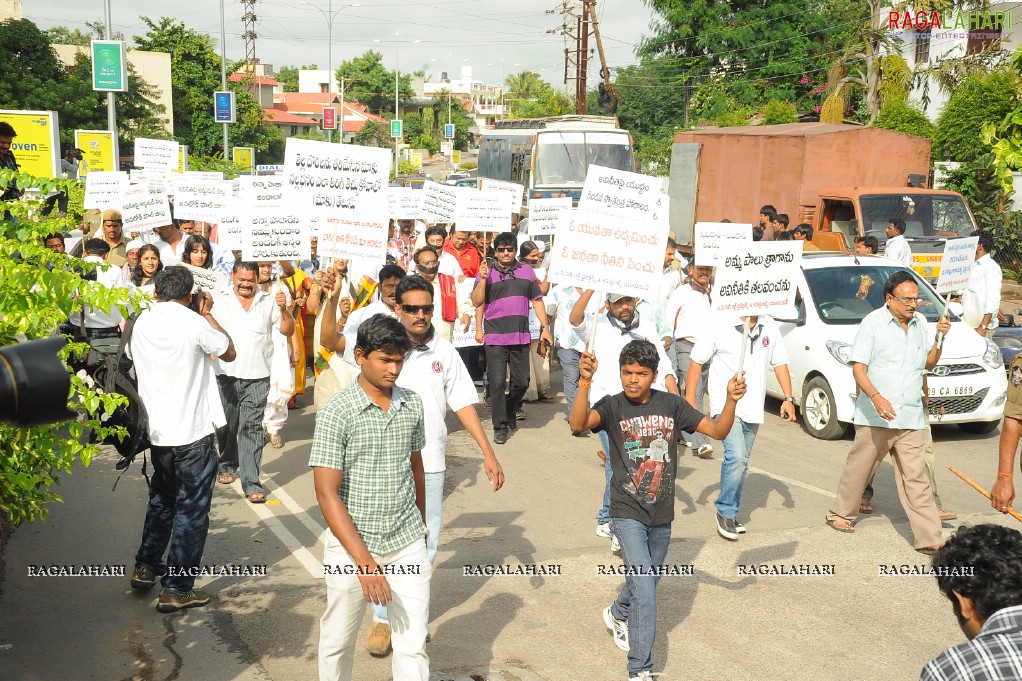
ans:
(111, 103)
(397, 70)
(223, 66)
(330, 15)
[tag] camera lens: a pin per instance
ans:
(34, 383)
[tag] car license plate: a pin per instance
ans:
(951, 390)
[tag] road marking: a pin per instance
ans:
(790, 481)
(301, 553)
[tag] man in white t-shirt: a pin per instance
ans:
(982, 299)
(723, 345)
(96, 323)
(435, 371)
(338, 333)
(171, 243)
(171, 347)
(250, 315)
(688, 316)
(897, 247)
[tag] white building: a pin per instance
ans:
(922, 46)
(11, 9)
(484, 103)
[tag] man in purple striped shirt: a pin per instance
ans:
(506, 288)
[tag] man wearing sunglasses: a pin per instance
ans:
(890, 352)
(506, 290)
(436, 373)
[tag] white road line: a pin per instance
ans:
(302, 554)
(790, 481)
(288, 502)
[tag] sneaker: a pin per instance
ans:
(603, 530)
(618, 629)
(705, 452)
(615, 546)
(644, 676)
(726, 528)
(520, 414)
(739, 528)
(171, 602)
(276, 441)
(143, 577)
(378, 640)
(500, 437)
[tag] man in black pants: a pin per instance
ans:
(506, 289)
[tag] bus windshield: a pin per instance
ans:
(563, 158)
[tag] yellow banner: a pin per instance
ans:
(37, 145)
(245, 157)
(97, 151)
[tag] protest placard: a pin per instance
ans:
(625, 195)
(464, 339)
(608, 254)
(404, 203)
(211, 281)
(262, 190)
(755, 278)
(512, 192)
(344, 180)
(201, 176)
(483, 211)
(711, 237)
(362, 240)
(956, 266)
(440, 201)
(544, 214)
(275, 234)
(204, 201)
(156, 154)
(154, 179)
(229, 227)
(103, 189)
(142, 210)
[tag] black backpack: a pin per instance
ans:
(116, 374)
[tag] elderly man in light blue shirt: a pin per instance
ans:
(891, 350)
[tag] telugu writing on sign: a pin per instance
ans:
(103, 189)
(208, 280)
(155, 180)
(230, 226)
(361, 240)
(156, 154)
(142, 211)
(957, 264)
(757, 278)
(511, 191)
(265, 191)
(624, 195)
(484, 211)
(711, 237)
(275, 235)
(594, 251)
(440, 201)
(404, 203)
(544, 214)
(202, 201)
(348, 180)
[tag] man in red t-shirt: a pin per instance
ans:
(458, 246)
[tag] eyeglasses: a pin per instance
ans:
(908, 301)
(504, 249)
(416, 309)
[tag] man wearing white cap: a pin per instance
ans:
(131, 256)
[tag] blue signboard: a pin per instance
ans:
(449, 131)
(223, 107)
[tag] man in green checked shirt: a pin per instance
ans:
(370, 485)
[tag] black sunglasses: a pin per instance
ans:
(416, 309)
(504, 249)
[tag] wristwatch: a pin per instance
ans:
(791, 399)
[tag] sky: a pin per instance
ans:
(494, 37)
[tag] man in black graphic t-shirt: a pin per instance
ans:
(641, 425)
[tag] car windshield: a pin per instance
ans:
(924, 214)
(844, 295)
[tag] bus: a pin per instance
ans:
(550, 156)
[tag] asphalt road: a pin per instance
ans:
(714, 623)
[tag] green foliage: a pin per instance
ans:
(654, 152)
(902, 117)
(424, 141)
(405, 167)
(38, 290)
(736, 117)
(62, 35)
(980, 99)
(776, 112)
(463, 137)
(652, 97)
(374, 134)
(371, 83)
(468, 165)
(195, 76)
(287, 76)
(216, 163)
(897, 80)
(529, 96)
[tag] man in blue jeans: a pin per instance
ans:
(642, 425)
(171, 347)
(723, 345)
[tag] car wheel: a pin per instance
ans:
(979, 427)
(819, 412)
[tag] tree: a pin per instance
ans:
(549, 103)
(442, 103)
(980, 99)
(902, 117)
(776, 112)
(195, 76)
(62, 35)
(31, 69)
(38, 290)
(287, 76)
(653, 97)
(374, 134)
(370, 83)
(523, 86)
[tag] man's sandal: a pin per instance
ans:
(842, 526)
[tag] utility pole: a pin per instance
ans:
(583, 57)
(111, 103)
(342, 112)
(223, 67)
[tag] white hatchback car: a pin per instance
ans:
(967, 387)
